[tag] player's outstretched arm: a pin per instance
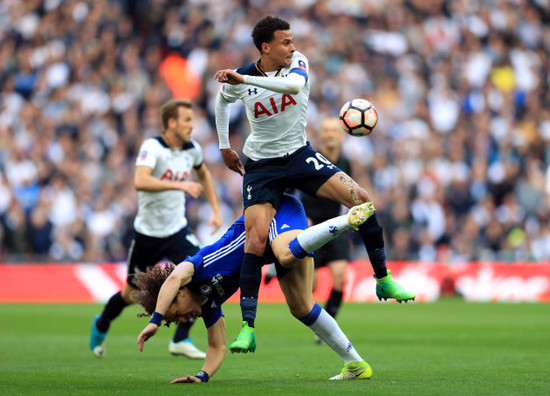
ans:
(291, 84)
(215, 355)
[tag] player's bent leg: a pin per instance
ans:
(345, 190)
(296, 287)
(320, 234)
(386, 288)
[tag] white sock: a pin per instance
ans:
(316, 236)
(328, 330)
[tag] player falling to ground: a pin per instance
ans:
(275, 92)
(199, 285)
(163, 165)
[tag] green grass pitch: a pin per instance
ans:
(444, 348)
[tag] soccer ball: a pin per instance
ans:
(358, 117)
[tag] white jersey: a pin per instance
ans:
(162, 213)
(277, 120)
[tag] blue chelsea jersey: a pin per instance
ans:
(217, 270)
(218, 266)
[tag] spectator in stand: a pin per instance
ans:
(454, 82)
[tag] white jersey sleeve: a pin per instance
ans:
(223, 114)
(230, 93)
(291, 84)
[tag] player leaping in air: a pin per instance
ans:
(275, 92)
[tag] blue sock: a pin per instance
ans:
(371, 234)
(182, 331)
(378, 261)
(312, 316)
(249, 282)
(296, 249)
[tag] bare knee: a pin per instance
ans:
(255, 243)
(299, 310)
(256, 222)
(287, 260)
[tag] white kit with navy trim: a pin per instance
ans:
(277, 120)
(162, 213)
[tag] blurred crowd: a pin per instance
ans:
(458, 166)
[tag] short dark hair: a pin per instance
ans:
(149, 284)
(265, 29)
(170, 110)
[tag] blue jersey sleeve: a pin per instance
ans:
(211, 313)
(229, 243)
(217, 270)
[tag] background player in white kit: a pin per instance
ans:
(163, 165)
(275, 92)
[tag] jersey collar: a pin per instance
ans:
(164, 144)
(259, 68)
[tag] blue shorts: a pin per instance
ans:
(266, 180)
(218, 266)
